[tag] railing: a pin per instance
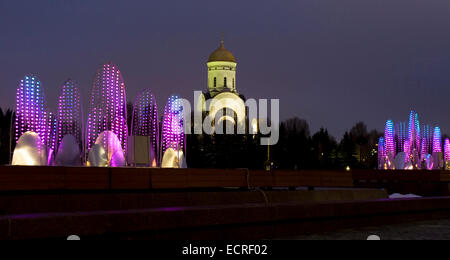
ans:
(14, 178)
(66, 178)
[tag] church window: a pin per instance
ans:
(215, 82)
(225, 82)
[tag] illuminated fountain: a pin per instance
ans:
(69, 152)
(412, 148)
(427, 142)
(30, 151)
(144, 142)
(30, 108)
(69, 131)
(400, 136)
(412, 143)
(389, 145)
(447, 154)
(381, 154)
(438, 158)
(107, 111)
(173, 138)
(34, 121)
(108, 151)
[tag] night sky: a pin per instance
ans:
(333, 63)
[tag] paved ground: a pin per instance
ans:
(427, 230)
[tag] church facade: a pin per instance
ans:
(222, 102)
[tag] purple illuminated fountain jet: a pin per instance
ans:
(32, 114)
(381, 154)
(70, 113)
(447, 154)
(145, 119)
(427, 142)
(437, 140)
(173, 138)
(390, 139)
(30, 108)
(107, 111)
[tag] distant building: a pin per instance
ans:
(221, 72)
(222, 95)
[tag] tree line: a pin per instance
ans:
(296, 149)
(6, 121)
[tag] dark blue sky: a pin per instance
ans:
(330, 62)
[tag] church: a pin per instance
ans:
(222, 104)
(229, 136)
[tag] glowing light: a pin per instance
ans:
(97, 157)
(145, 119)
(30, 151)
(413, 142)
(417, 148)
(400, 136)
(173, 159)
(113, 149)
(30, 109)
(107, 111)
(437, 140)
(427, 143)
(70, 113)
(173, 127)
(429, 162)
(233, 104)
(447, 154)
(414, 131)
(255, 126)
(32, 114)
(381, 154)
(390, 139)
(49, 134)
(417, 132)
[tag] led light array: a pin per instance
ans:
(390, 139)
(173, 123)
(447, 153)
(400, 134)
(418, 145)
(107, 110)
(50, 131)
(414, 133)
(381, 153)
(70, 113)
(30, 108)
(437, 140)
(427, 142)
(145, 118)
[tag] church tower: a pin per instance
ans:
(221, 72)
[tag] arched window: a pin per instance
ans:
(234, 83)
(225, 82)
(215, 82)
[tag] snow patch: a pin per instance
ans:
(402, 196)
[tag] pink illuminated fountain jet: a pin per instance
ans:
(107, 111)
(173, 138)
(70, 113)
(145, 123)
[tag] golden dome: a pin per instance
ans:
(222, 54)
